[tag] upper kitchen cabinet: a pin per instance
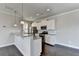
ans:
(36, 24)
(51, 24)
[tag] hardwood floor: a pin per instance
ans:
(10, 51)
(59, 50)
(56, 50)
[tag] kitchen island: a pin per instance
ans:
(28, 46)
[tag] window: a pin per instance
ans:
(25, 28)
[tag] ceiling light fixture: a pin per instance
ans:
(22, 21)
(37, 14)
(15, 25)
(47, 9)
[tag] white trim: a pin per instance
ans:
(61, 14)
(4, 45)
(67, 45)
(75, 10)
(7, 13)
(10, 45)
(20, 50)
(64, 13)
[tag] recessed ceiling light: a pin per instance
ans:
(47, 9)
(22, 22)
(37, 14)
(15, 25)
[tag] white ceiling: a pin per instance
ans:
(31, 9)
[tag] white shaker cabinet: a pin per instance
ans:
(28, 46)
(50, 39)
(36, 47)
(51, 25)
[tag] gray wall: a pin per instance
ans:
(6, 33)
(67, 27)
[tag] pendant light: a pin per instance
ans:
(15, 25)
(22, 21)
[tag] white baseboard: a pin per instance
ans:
(6, 45)
(67, 45)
